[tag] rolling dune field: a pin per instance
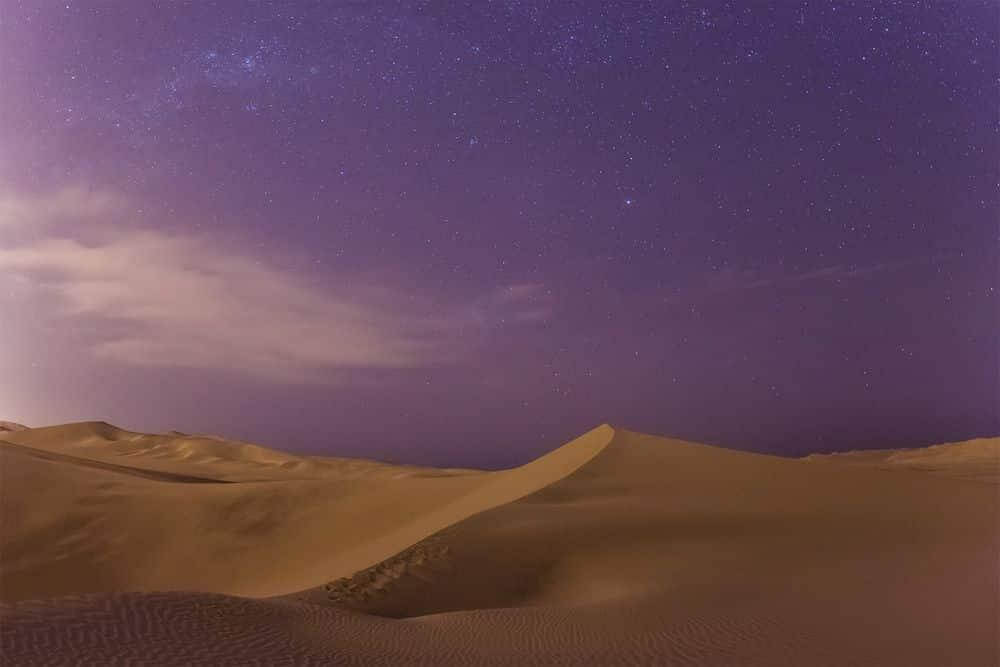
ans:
(616, 548)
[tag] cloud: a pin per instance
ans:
(160, 300)
(180, 302)
(728, 281)
(522, 292)
(70, 203)
(517, 303)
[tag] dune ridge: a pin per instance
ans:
(617, 548)
(98, 465)
(179, 453)
(977, 459)
(11, 426)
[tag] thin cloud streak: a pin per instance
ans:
(70, 203)
(733, 281)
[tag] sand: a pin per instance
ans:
(617, 548)
(972, 459)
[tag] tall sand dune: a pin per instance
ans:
(618, 548)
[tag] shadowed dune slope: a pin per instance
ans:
(636, 550)
(90, 508)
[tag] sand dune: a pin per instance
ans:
(100, 465)
(202, 455)
(618, 548)
(11, 426)
(88, 508)
(974, 459)
(179, 453)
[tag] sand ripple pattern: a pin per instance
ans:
(203, 629)
(199, 629)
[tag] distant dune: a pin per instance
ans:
(973, 459)
(617, 548)
(11, 426)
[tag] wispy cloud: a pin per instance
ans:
(730, 281)
(183, 301)
(70, 203)
(515, 303)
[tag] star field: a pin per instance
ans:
(768, 225)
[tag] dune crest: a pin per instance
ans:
(972, 459)
(175, 453)
(11, 426)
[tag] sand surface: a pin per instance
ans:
(972, 459)
(11, 426)
(617, 548)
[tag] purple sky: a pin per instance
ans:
(463, 233)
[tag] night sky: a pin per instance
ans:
(463, 233)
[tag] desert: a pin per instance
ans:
(504, 333)
(616, 548)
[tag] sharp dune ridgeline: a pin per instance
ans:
(616, 548)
